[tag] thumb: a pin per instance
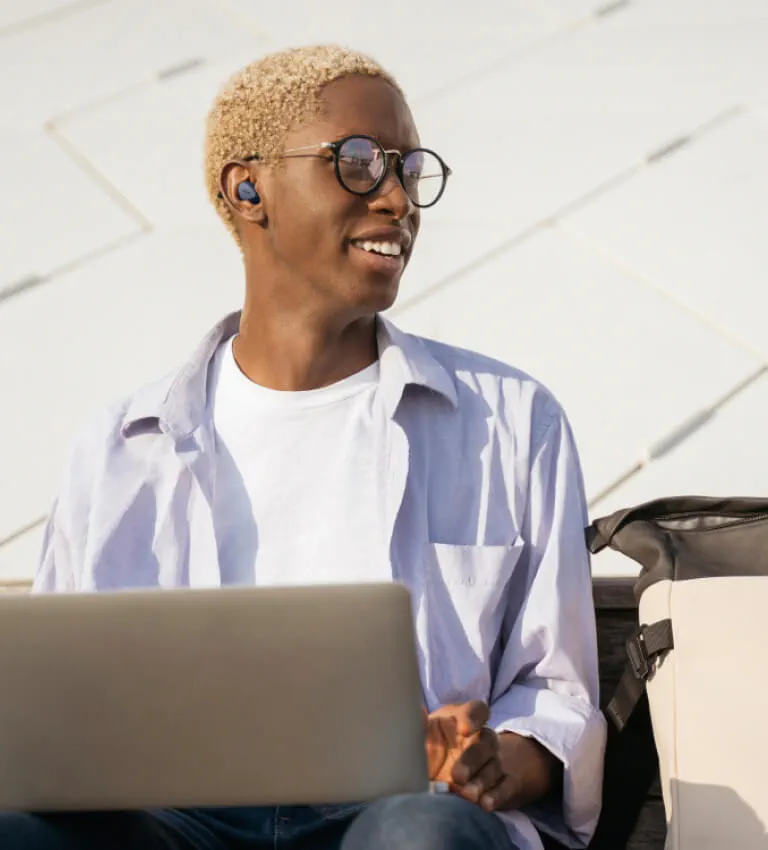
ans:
(471, 717)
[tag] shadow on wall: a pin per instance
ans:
(714, 818)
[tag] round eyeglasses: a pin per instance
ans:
(361, 167)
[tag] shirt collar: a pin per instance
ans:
(406, 361)
(179, 407)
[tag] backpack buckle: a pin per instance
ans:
(637, 653)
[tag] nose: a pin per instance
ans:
(391, 197)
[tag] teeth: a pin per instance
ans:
(388, 249)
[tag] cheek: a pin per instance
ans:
(312, 223)
(299, 231)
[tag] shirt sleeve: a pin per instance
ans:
(64, 537)
(546, 685)
(54, 570)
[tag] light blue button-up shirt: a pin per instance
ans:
(485, 514)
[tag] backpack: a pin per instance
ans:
(700, 652)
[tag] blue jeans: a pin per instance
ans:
(408, 822)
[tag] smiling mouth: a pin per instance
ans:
(382, 249)
(383, 259)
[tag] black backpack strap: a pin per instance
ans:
(646, 645)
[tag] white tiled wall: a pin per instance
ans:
(16, 14)
(695, 226)
(579, 239)
(148, 144)
(53, 212)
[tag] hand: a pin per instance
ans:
(498, 772)
(449, 732)
(531, 772)
(463, 752)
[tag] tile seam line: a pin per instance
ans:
(647, 281)
(628, 475)
(720, 402)
(675, 437)
(519, 238)
(77, 6)
(51, 15)
(142, 83)
(33, 281)
(98, 177)
(20, 532)
(510, 59)
(57, 122)
(559, 216)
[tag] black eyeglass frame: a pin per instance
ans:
(399, 156)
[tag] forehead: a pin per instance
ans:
(359, 104)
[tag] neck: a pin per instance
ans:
(296, 347)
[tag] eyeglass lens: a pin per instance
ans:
(362, 162)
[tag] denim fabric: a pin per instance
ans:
(408, 822)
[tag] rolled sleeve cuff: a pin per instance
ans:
(574, 731)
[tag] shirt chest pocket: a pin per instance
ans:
(474, 566)
(473, 580)
(468, 590)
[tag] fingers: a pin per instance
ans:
(471, 717)
(504, 795)
(481, 749)
(463, 751)
(484, 781)
(439, 743)
(452, 731)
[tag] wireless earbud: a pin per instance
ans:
(246, 191)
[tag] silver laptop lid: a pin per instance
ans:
(235, 696)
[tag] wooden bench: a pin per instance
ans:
(14, 585)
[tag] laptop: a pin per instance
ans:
(225, 697)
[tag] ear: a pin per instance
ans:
(232, 175)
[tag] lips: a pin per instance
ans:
(385, 236)
(389, 265)
(383, 248)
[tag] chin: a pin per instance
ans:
(376, 297)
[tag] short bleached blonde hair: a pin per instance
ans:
(262, 102)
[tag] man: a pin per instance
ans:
(308, 440)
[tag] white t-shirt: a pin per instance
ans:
(298, 497)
